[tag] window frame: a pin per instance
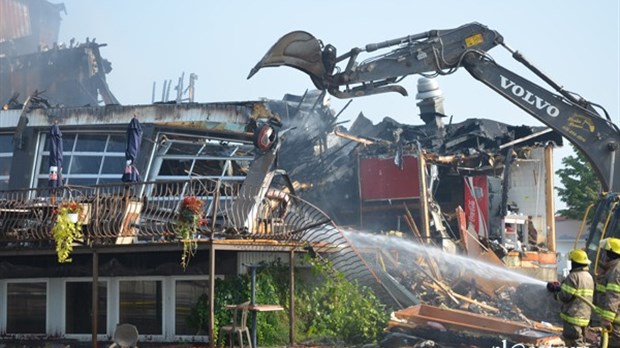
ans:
(4, 312)
(9, 156)
(70, 154)
(63, 316)
(164, 310)
(173, 317)
(167, 139)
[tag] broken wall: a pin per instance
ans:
(526, 189)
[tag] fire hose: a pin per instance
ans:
(604, 330)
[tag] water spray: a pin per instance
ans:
(445, 260)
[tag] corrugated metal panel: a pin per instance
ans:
(251, 258)
(14, 20)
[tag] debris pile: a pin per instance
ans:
(326, 157)
(467, 298)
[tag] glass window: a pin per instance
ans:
(90, 142)
(189, 294)
(26, 308)
(117, 143)
(184, 149)
(173, 167)
(6, 141)
(182, 157)
(88, 159)
(113, 165)
(68, 141)
(208, 167)
(85, 164)
(141, 304)
(6, 156)
(78, 301)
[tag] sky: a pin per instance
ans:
(575, 42)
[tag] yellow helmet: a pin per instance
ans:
(579, 256)
(613, 244)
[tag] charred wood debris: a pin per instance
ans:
(321, 156)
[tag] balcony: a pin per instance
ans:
(149, 213)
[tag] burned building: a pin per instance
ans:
(272, 175)
(33, 62)
(499, 174)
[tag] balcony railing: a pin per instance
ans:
(149, 212)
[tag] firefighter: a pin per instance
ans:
(609, 287)
(575, 313)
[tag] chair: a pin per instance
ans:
(125, 336)
(238, 326)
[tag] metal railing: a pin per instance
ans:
(149, 211)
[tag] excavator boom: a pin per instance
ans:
(441, 52)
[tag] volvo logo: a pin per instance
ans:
(529, 97)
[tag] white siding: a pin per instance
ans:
(251, 258)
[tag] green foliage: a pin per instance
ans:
(229, 291)
(65, 233)
(272, 287)
(198, 319)
(340, 310)
(327, 307)
(581, 186)
(189, 218)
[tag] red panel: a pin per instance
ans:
(477, 203)
(381, 179)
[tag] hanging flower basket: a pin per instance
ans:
(189, 218)
(73, 217)
(67, 229)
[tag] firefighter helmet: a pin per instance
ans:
(613, 244)
(579, 256)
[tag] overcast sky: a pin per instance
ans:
(575, 42)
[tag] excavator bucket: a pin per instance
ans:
(299, 50)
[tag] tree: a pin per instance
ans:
(581, 185)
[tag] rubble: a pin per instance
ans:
(472, 147)
(461, 301)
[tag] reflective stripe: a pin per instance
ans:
(613, 287)
(581, 292)
(605, 314)
(574, 320)
(601, 288)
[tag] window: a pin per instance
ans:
(88, 159)
(188, 293)
(78, 307)
(6, 155)
(141, 304)
(26, 308)
(183, 157)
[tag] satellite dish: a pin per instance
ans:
(125, 335)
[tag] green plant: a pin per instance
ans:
(339, 310)
(189, 219)
(198, 318)
(65, 232)
(327, 307)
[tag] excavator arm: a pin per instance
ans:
(441, 52)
